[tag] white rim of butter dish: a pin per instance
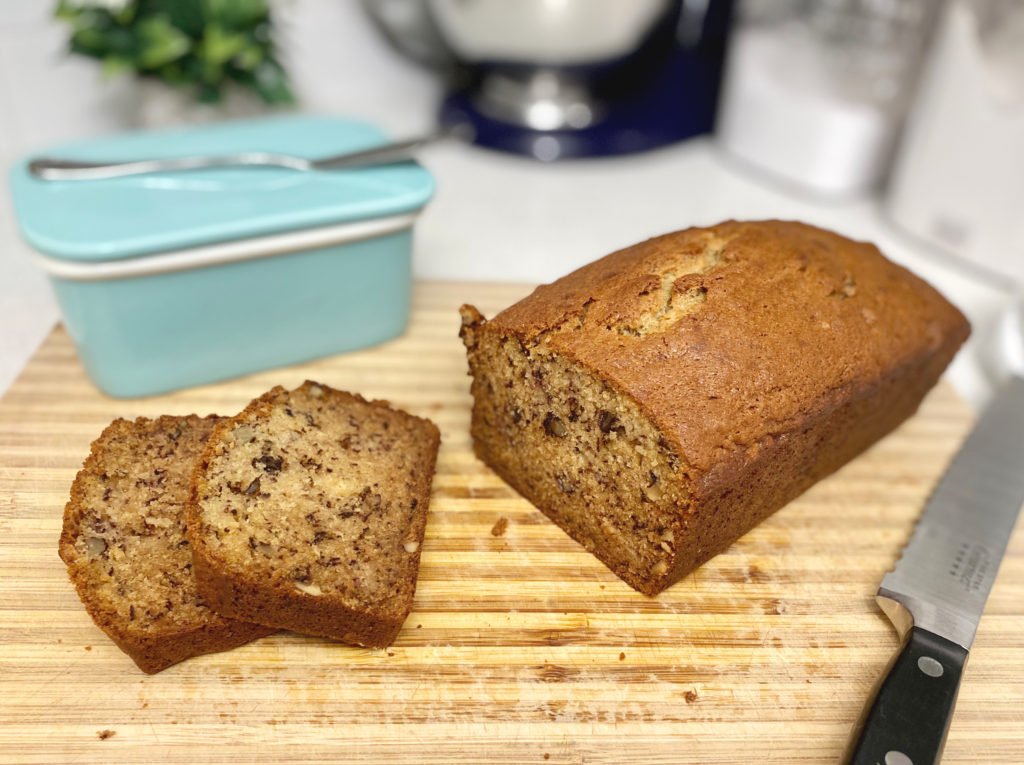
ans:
(225, 252)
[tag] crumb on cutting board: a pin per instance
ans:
(499, 527)
(103, 735)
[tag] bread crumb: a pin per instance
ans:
(498, 529)
(622, 657)
(105, 734)
(690, 696)
(88, 648)
(309, 589)
(547, 756)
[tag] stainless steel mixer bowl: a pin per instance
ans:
(537, 58)
(545, 32)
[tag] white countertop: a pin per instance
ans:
(501, 217)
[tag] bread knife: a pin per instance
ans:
(937, 590)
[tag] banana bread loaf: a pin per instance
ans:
(125, 548)
(308, 511)
(661, 401)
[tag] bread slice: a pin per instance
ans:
(308, 512)
(125, 547)
(661, 401)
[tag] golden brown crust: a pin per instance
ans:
(152, 647)
(245, 597)
(766, 355)
(777, 339)
(237, 590)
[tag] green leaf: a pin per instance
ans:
(192, 69)
(121, 40)
(271, 83)
(65, 11)
(219, 46)
(90, 42)
(93, 18)
(114, 65)
(186, 15)
(173, 74)
(261, 33)
(74, 48)
(126, 15)
(212, 72)
(208, 94)
(248, 58)
(160, 42)
(238, 14)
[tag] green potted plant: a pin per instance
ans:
(194, 60)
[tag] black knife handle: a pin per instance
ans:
(907, 721)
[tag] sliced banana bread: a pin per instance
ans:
(125, 547)
(308, 511)
(659, 402)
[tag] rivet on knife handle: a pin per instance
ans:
(907, 722)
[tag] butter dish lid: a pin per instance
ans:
(117, 218)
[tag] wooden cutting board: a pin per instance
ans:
(521, 647)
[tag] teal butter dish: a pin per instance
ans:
(175, 279)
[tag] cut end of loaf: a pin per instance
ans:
(580, 451)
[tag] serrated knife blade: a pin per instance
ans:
(937, 590)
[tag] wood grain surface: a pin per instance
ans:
(521, 647)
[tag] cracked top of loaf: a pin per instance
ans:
(732, 335)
